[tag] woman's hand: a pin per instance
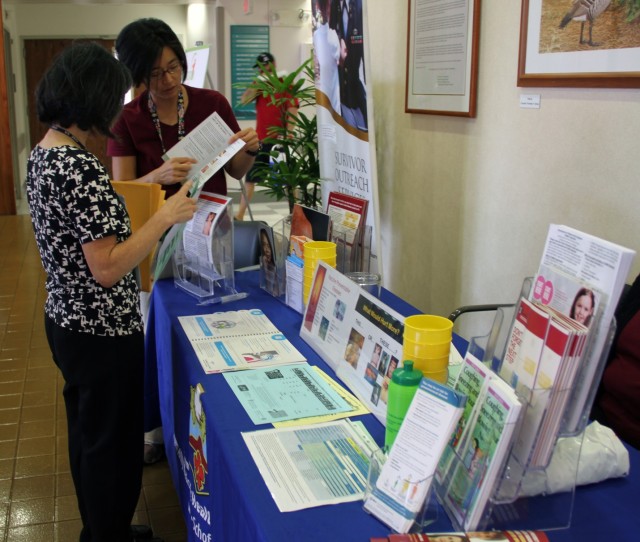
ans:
(173, 171)
(250, 137)
(179, 207)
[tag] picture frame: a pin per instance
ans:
(551, 53)
(442, 57)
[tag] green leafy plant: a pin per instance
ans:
(293, 173)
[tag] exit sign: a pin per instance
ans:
(247, 7)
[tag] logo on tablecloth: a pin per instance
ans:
(198, 440)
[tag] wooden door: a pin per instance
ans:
(39, 54)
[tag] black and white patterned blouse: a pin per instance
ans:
(72, 202)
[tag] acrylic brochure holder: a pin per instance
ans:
(349, 257)
(205, 280)
(429, 511)
(522, 498)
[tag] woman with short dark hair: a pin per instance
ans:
(166, 111)
(92, 315)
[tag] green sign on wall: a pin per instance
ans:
(247, 42)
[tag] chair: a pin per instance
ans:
(142, 200)
(246, 242)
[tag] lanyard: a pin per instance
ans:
(73, 138)
(156, 121)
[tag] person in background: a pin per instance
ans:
(617, 404)
(92, 317)
(157, 119)
(166, 111)
(268, 117)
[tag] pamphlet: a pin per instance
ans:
(208, 143)
(286, 392)
(199, 231)
(234, 340)
(575, 263)
(356, 334)
(405, 479)
(307, 466)
(348, 216)
(356, 408)
(487, 440)
(472, 536)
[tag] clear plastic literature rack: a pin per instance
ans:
(524, 497)
(350, 256)
(208, 278)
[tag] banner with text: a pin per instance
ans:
(344, 107)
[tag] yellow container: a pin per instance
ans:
(430, 365)
(438, 376)
(425, 350)
(313, 262)
(319, 249)
(427, 328)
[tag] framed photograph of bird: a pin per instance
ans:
(580, 43)
(442, 57)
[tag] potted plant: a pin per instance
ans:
(293, 171)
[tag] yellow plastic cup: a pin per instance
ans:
(431, 365)
(427, 328)
(313, 262)
(319, 249)
(425, 350)
(438, 376)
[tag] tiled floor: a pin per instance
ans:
(37, 498)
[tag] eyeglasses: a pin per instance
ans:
(173, 68)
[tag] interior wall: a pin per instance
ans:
(466, 203)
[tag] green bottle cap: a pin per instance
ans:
(407, 375)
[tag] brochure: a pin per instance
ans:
(348, 216)
(208, 143)
(313, 465)
(286, 392)
(578, 268)
(356, 334)
(198, 233)
(234, 340)
(405, 479)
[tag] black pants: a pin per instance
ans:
(103, 394)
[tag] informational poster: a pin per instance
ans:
(344, 108)
(358, 336)
(197, 62)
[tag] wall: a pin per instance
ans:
(466, 203)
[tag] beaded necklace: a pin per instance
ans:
(156, 121)
(66, 132)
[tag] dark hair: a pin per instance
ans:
(140, 43)
(85, 85)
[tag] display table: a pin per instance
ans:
(226, 499)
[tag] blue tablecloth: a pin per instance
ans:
(231, 502)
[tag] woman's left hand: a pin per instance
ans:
(250, 137)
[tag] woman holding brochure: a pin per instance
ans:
(92, 315)
(168, 110)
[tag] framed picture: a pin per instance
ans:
(578, 44)
(442, 57)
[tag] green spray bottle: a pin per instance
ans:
(403, 386)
